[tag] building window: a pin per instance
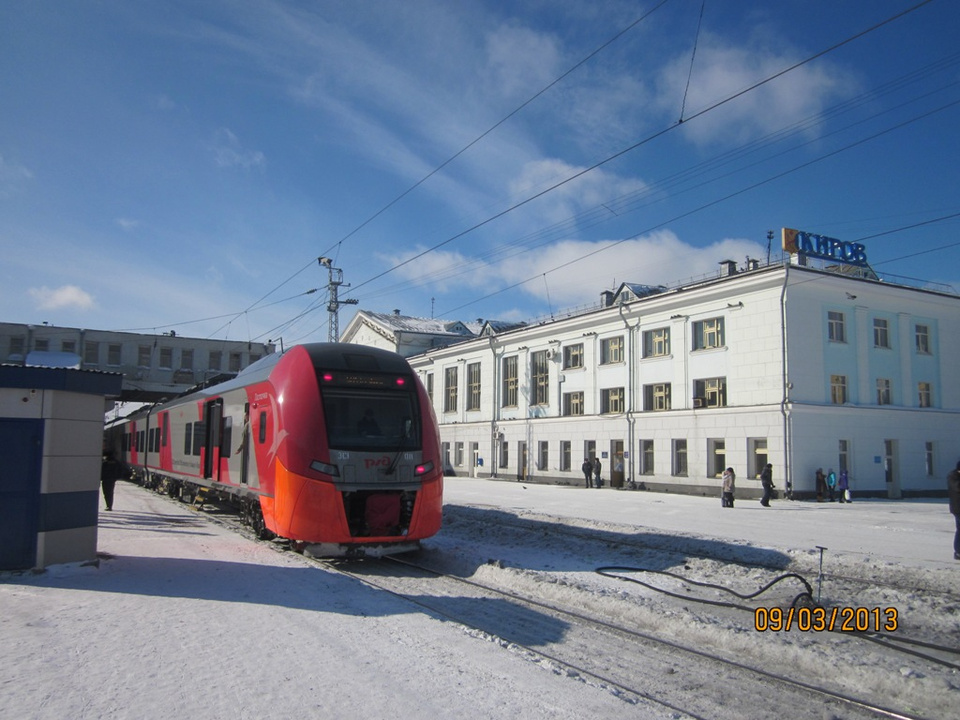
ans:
(43, 345)
(450, 389)
(928, 457)
(573, 357)
(540, 376)
(91, 352)
(710, 392)
(543, 455)
(236, 361)
(445, 451)
(143, 356)
(611, 400)
(708, 334)
(843, 455)
(881, 333)
(429, 385)
(926, 394)
(573, 403)
(504, 453)
(17, 344)
(510, 381)
(646, 457)
(656, 396)
(68, 346)
(758, 457)
(458, 454)
(838, 389)
(716, 457)
(679, 458)
(473, 386)
(166, 358)
(656, 343)
(216, 360)
(114, 354)
(923, 339)
(611, 350)
(565, 454)
(836, 327)
(186, 359)
(884, 394)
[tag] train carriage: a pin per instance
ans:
(333, 446)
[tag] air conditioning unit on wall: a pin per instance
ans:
(699, 402)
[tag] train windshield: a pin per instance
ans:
(373, 414)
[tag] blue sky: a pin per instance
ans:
(181, 165)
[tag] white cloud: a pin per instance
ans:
(572, 273)
(228, 152)
(127, 224)
(585, 192)
(722, 71)
(66, 296)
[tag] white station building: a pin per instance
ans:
(803, 367)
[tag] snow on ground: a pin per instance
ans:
(184, 617)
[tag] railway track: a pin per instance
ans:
(639, 666)
(667, 656)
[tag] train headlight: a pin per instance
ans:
(423, 468)
(325, 468)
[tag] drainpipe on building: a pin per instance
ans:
(495, 415)
(631, 396)
(785, 402)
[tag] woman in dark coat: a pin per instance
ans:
(953, 492)
(766, 480)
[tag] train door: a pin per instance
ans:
(213, 418)
(245, 446)
(891, 470)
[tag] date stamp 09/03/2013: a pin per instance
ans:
(819, 619)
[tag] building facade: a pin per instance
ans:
(153, 366)
(800, 367)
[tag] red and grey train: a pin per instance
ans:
(333, 446)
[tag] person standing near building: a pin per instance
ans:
(953, 492)
(766, 480)
(587, 469)
(728, 488)
(110, 472)
(831, 484)
(821, 484)
(596, 472)
(843, 487)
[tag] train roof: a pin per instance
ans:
(329, 356)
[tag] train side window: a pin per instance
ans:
(188, 440)
(199, 430)
(263, 427)
(226, 437)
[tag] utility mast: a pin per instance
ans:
(334, 303)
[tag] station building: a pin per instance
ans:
(805, 363)
(153, 366)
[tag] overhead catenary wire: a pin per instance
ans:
(644, 141)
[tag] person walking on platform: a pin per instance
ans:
(728, 488)
(843, 487)
(766, 480)
(953, 492)
(587, 469)
(831, 484)
(596, 472)
(110, 472)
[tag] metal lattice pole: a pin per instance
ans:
(334, 302)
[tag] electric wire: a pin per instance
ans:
(644, 141)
